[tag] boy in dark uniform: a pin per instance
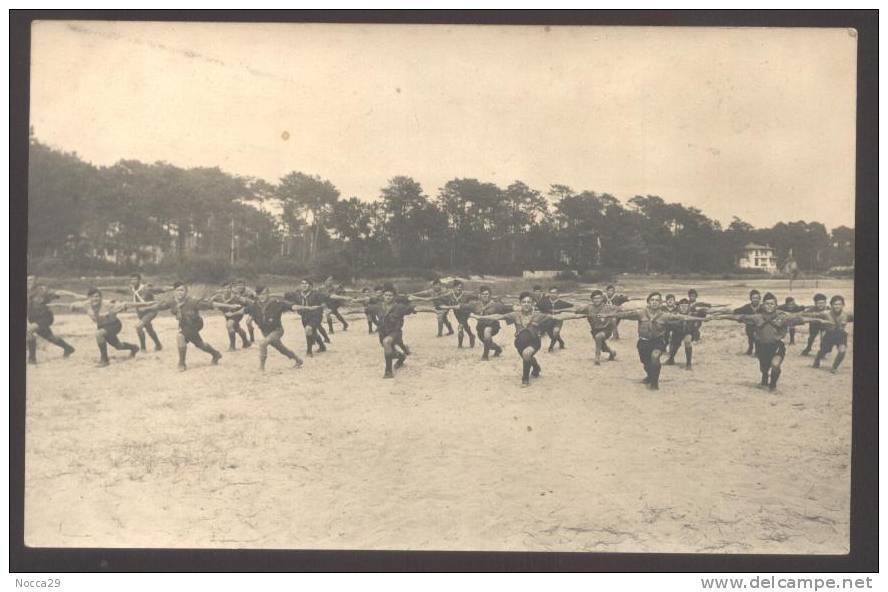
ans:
(40, 320)
(108, 326)
(529, 325)
(437, 294)
(755, 302)
(601, 327)
(671, 307)
(266, 313)
(611, 298)
(682, 333)
(233, 317)
(455, 301)
(791, 307)
(485, 305)
(333, 304)
(239, 287)
(311, 311)
(187, 311)
(834, 332)
(390, 313)
(368, 300)
(141, 293)
(816, 327)
(769, 328)
(652, 324)
(551, 304)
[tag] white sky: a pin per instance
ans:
(757, 123)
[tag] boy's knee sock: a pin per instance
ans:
(388, 362)
(242, 334)
(141, 333)
(182, 351)
(689, 354)
(448, 325)
(309, 343)
(775, 376)
(839, 357)
(525, 370)
(812, 337)
(251, 332)
(150, 330)
(231, 339)
(103, 351)
(655, 373)
(535, 365)
(322, 334)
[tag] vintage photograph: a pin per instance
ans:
(440, 287)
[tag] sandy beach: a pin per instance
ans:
(451, 455)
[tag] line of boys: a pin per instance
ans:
(661, 326)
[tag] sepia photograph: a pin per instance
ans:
(440, 287)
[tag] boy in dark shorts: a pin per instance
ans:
(755, 303)
(390, 313)
(835, 335)
(671, 307)
(652, 325)
(485, 305)
(334, 303)
(40, 320)
(266, 313)
(455, 301)
(108, 326)
(816, 327)
(611, 298)
(187, 311)
(437, 294)
(552, 304)
(311, 302)
(601, 327)
(141, 292)
(769, 327)
(233, 317)
(239, 287)
(682, 333)
(529, 325)
(790, 306)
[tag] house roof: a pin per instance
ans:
(755, 246)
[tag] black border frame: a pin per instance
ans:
(865, 454)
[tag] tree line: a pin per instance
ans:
(133, 214)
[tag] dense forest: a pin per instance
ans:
(157, 216)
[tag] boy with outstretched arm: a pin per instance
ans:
(187, 309)
(769, 327)
(652, 325)
(834, 332)
(108, 326)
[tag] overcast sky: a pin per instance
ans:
(757, 123)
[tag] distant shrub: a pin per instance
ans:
(285, 266)
(200, 269)
(597, 276)
(753, 272)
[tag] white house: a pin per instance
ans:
(761, 257)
